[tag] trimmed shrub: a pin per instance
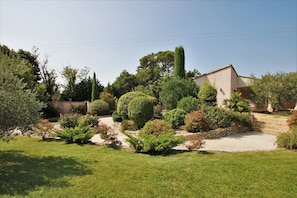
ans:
(292, 120)
(175, 89)
(208, 94)
(116, 117)
(188, 104)
(287, 140)
(69, 120)
(128, 125)
(99, 107)
(161, 144)
(195, 122)
(88, 120)
(217, 117)
(157, 128)
(80, 109)
(140, 110)
(156, 137)
(109, 98)
(175, 116)
(242, 119)
(158, 111)
(79, 135)
(75, 120)
(122, 107)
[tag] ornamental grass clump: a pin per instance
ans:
(288, 140)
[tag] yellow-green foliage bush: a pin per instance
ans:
(156, 137)
(288, 140)
(99, 107)
(122, 107)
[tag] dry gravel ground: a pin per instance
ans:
(249, 141)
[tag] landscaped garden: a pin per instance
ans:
(33, 168)
(64, 163)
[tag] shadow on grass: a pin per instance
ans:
(20, 174)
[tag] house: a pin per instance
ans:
(226, 80)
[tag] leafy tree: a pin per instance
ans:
(82, 90)
(48, 78)
(179, 62)
(275, 89)
(32, 59)
(19, 106)
(208, 94)
(109, 98)
(175, 89)
(192, 74)
(94, 88)
(154, 66)
(70, 75)
(124, 83)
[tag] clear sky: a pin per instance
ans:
(255, 36)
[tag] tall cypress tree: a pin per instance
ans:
(179, 62)
(94, 88)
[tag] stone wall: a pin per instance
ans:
(268, 123)
(65, 107)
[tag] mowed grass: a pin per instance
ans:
(32, 168)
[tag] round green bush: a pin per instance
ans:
(122, 107)
(140, 110)
(175, 89)
(188, 104)
(217, 117)
(175, 116)
(99, 107)
(88, 120)
(116, 117)
(195, 122)
(109, 98)
(69, 120)
(157, 128)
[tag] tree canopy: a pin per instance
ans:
(275, 89)
(19, 105)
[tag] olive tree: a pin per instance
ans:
(19, 106)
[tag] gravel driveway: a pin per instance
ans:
(249, 141)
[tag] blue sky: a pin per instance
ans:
(256, 36)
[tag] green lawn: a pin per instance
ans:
(31, 168)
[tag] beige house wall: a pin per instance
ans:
(225, 80)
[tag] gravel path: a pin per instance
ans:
(249, 141)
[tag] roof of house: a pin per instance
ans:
(220, 69)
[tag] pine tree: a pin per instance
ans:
(95, 94)
(179, 62)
